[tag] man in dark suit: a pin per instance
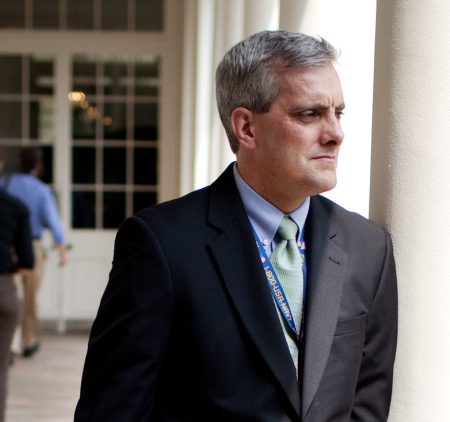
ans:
(212, 312)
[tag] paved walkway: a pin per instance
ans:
(45, 388)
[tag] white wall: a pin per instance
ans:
(350, 26)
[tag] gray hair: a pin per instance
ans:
(245, 75)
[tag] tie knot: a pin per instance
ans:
(288, 229)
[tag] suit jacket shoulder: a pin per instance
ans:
(348, 222)
(363, 240)
(177, 212)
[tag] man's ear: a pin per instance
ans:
(242, 121)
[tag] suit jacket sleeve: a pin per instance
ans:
(131, 333)
(374, 388)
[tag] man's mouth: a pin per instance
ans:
(324, 157)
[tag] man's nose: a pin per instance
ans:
(333, 132)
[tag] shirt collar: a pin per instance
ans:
(265, 217)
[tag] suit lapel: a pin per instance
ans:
(326, 265)
(237, 259)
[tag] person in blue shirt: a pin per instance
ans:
(38, 198)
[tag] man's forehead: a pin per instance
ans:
(304, 73)
(311, 82)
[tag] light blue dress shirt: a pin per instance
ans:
(266, 219)
(39, 199)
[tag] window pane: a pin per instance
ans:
(42, 120)
(143, 200)
(149, 15)
(114, 165)
(83, 165)
(146, 77)
(10, 119)
(114, 122)
(145, 170)
(10, 74)
(84, 76)
(12, 14)
(34, 120)
(114, 14)
(46, 14)
(47, 171)
(83, 210)
(12, 160)
(146, 122)
(80, 14)
(113, 209)
(41, 75)
(84, 118)
(115, 78)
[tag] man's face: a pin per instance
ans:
(298, 140)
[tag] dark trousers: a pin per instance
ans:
(9, 315)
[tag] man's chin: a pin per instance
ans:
(326, 186)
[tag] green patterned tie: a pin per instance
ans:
(287, 263)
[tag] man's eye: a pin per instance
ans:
(339, 114)
(307, 115)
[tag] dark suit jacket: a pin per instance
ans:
(187, 329)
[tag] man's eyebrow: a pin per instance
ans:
(315, 106)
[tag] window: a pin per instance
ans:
(98, 15)
(27, 108)
(115, 103)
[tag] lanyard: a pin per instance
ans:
(277, 289)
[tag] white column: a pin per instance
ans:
(411, 194)
(229, 29)
(203, 91)
(234, 32)
(292, 14)
(211, 27)
(261, 15)
(312, 16)
(187, 136)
